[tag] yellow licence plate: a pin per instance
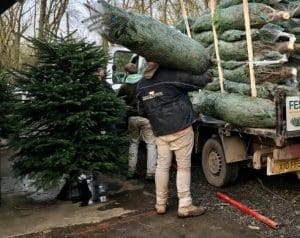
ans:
(282, 166)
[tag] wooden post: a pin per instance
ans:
(216, 43)
(249, 47)
(185, 18)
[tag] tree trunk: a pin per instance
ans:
(51, 16)
(42, 19)
(237, 110)
(150, 38)
(150, 8)
(164, 12)
(68, 23)
(143, 7)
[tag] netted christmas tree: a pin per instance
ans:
(68, 115)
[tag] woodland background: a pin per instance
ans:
(32, 18)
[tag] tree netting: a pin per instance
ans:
(228, 3)
(236, 109)
(149, 38)
(269, 33)
(238, 50)
(233, 18)
(181, 24)
(266, 90)
(269, 73)
(275, 31)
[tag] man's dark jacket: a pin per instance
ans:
(164, 100)
(128, 93)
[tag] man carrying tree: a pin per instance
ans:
(163, 99)
(137, 126)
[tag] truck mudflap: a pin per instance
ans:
(284, 160)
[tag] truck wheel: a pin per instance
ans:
(214, 166)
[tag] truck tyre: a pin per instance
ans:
(214, 166)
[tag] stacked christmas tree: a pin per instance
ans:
(274, 44)
(273, 26)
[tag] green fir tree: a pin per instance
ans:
(68, 115)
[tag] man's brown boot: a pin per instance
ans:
(191, 211)
(160, 209)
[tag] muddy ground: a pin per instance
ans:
(277, 197)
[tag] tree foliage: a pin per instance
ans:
(68, 114)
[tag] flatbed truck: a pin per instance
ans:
(223, 147)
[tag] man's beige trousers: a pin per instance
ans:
(181, 143)
(137, 127)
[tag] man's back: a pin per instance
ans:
(164, 100)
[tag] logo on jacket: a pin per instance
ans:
(152, 94)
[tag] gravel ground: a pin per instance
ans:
(277, 197)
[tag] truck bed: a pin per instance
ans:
(272, 133)
(279, 134)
